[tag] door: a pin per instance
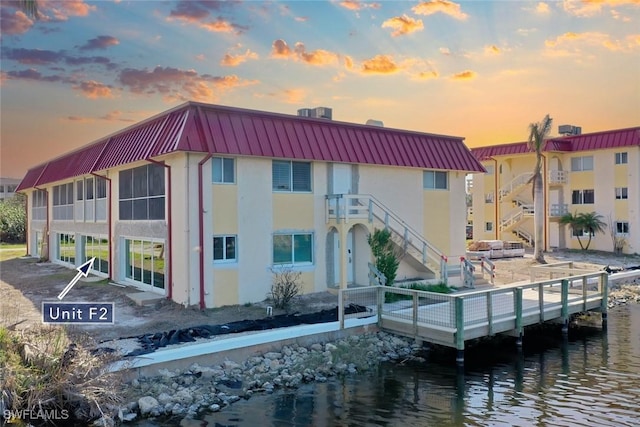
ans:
(337, 253)
(341, 182)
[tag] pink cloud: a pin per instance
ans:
(380, 64)
(93, 90)
(359, 5)
(14, 21)
(403, 25)
(440, 6)
(229, 60)
(198, 12)
(177, 84)
(465, 75)
(61, 10)
(320, 57)
(100, 42)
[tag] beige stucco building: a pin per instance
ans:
(202, 203)
(596, 172)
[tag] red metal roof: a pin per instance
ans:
(226, 130)
(585, 142)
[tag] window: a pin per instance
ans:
(621, 193)
(622, 228)
(145, 262)
(91, 195)
(66, 248)
(39, 205)
(621, 158)
(223, 170)
(1, 188)
(291, 176)
(142, 193)
(435, 180)
(95, 247)
(488, 198)
(63, 202)
(224, 248)
(488, 226)
(579, 232)
(582, 197)
(584, 163)
(293, 248)
(11, 188)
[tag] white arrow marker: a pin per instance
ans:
(83, 271)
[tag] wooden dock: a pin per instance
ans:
(452, 319)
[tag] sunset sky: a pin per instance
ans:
(483, 70)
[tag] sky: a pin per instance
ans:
(483, 70)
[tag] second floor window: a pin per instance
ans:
(435, 180)
(622, 193)
(291, 176)
(582, 197)
(39, 205)
(142, 193)
(223, 170)
(584, 163)
(63, 202)
(621, 158)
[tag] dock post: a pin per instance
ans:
(459, 307)
(565, 306)
(604, 303)
(518, 310)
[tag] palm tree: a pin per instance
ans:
(30, 7)
(538, 133)
(590, 222)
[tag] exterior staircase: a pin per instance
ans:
(524, 236)
(418, 252)
(514, 186)
(516, 217)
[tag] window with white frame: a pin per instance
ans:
(488, 197)
(142, 193)
(435, 180)
(622, 228)
(224, 248)
(293, 249)
(66, 248)
(144, 262)
(579, 232)
(582, 197)
(488, 226)
(291, 176)
(584, 163)
(91, 199)
(39, 205)
(621, 158)
(223, 169)
(63, 202)
(622, 193)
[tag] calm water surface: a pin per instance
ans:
(591, 379)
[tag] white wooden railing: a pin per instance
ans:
(557, 177)
(515, 216)
(558, 209)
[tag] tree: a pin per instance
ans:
(386, 260)
(30, 8)
(590, 222)
(13, 219)
(538, 133)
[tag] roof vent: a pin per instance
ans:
(373, 122)
(567, 130)
(318, 112)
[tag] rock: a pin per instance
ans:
(164, 398)
(178, 409)
(147, 404)
(214, 408)
(272, 355)
(316, 347)
(103, 422)
(330, 347)
(183, 397)
(228, 364)
(166, 373)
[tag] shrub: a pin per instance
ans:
(13, 220)
(42, 370)
(386, 259)
(286, 286)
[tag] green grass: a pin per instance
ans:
(12, 250)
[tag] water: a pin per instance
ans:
(591, 379)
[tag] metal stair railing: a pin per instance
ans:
(514, 184)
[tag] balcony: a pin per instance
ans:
(557, 210)
(557, 177)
